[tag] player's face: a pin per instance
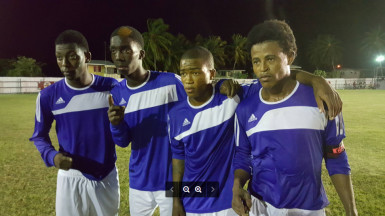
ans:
(126, 54)
(196, 78)
(270, 64)
(72, 60)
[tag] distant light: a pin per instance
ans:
(380, 58)
(338, 66)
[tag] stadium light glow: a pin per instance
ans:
(380, 58)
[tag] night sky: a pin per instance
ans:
(29, 27)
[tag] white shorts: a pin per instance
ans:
(226, 212)
(260, 208)
(78, 196)
(144, 203)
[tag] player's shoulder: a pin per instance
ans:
(104, 83)
(51, 89)
(166, 76)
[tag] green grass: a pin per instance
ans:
(28, 187)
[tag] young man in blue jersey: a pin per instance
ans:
(282, 138)
(139, 117)
(87, 181)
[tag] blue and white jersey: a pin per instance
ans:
(145, 126)
(203, 136)
(281, 144)
(82, 125)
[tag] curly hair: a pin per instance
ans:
(273, 30)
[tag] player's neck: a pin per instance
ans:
(202, 98)
(83, 81)
(137, 78)
(279, 91)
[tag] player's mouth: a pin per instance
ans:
(189, 90)
(264, 78)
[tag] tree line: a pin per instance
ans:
(163, 51)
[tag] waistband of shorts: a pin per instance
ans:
(77, 173)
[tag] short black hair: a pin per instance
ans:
(72, 37)
(128, 31)
(273, 30)
(200, 52)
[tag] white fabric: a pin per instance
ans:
(261, 208)
(226, 212)
(78, 196)
(292, 117)
(95, 100)
(151, 98)
(144, 203)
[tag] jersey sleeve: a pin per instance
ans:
(180, 89)
(334, 134)
(242, 158)
(120, 133)
(177, 147)
(250, 89)
(43, 123)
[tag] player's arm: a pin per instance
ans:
(41, 139)
(119, 129)
(323, 92)
(343, 185)
(229, 87)
(241, 202)
(177, 177)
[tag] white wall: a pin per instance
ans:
(25, 84)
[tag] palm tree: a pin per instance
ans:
(178, 46)
(325, 51)
(238, 50)
(157, 42)
(374, 41)
(216, 46)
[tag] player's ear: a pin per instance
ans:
(88, 56)
(142, 54)
(212, 73)
(291, 57)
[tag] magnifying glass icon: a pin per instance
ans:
(198, 189)
(186, 189)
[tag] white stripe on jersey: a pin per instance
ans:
(236, 130)
(38, 114)
(83, 102)
(152, 98)
(211, 117)
(294, 117)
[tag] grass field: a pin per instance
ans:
(28, 187)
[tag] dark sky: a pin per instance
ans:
(29, 27)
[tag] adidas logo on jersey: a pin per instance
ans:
(252, 118)
(186, 122)
(122, 102)
(60, 101)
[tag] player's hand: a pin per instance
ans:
(177, 208)
(324, 93)
(115, 113)
(241, 203)
(230, 88)
(62, 162)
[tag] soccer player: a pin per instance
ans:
(282, 138)
(139, 117)
(87, 181)
(201, 135)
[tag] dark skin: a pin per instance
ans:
(72, 61)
